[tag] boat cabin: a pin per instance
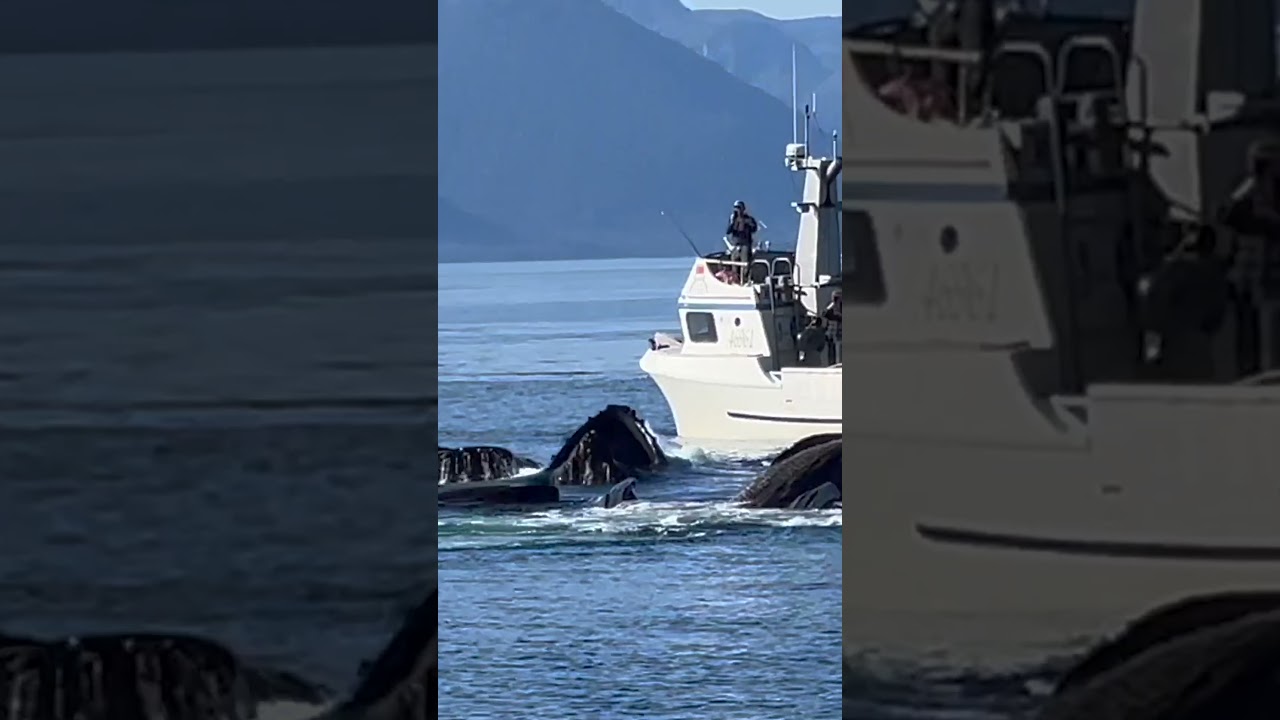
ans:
(782, 307)
(1075, 190)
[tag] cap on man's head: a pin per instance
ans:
(739, 204)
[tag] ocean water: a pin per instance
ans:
(678, 607)
(681, 606)
(228, 439)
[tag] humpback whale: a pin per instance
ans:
(610, 447)
(480, 463)
(401, 682)
(513, 493)
(1206, 657)
(162, 677)
(143, 676)
(805, 476)
(620, 494)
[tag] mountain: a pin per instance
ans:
(753, 47)
(571, 128)
(460, 231)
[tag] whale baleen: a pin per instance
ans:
(612, 446)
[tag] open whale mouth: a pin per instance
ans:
(166, 676)
(611, 446)
(480, 463)
(144, 676)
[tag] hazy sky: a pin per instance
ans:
(774, 8)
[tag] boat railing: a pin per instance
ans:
(726, 271)
(768, 270)
(906, 51)
(909, 92)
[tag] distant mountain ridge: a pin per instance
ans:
(755, 48)
(569, 128)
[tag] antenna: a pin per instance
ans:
(795, 132)
(806, 126)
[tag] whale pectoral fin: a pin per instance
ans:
(822, 497)
(631, 493)
(620, 493)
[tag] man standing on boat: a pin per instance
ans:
(742, 232)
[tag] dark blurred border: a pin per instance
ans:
(220, 192)
(84, 26)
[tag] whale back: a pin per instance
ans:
(1163, 625)
(797, 475)
(607, 448)
(1224, 670)
(804, 444)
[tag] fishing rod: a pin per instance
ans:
(683, 234)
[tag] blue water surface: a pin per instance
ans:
(682, 606)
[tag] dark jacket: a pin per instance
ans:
(742, 227)
(1251, 213)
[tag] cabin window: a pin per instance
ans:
(700, 327)
(863, 282)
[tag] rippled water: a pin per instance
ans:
(228, 439)
(680, 606)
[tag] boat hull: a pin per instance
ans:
(730, 401)
(1035, 547)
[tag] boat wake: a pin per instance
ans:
(753, 456)
(642, 521)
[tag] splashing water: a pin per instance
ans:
(642, 521)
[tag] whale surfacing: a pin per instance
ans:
(170, 676)
(1204, 658)
(806, 476)
(514, 491)
(401, 683)
(611, 446)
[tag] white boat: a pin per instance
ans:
(758, 364)
(1054, 414)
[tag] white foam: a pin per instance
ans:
(702, 454)
(595, 524)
